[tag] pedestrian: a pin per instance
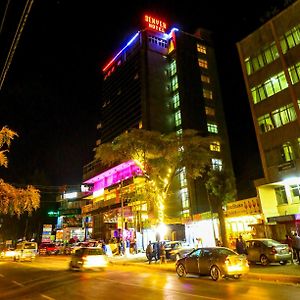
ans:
(149, 252)
(162, 251)
(240, 246)
(288, 240)
(296, 245)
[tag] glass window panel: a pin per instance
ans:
(176, 101)
(296, 35)
(248, 66)
(260, 60)
(274, 51)
(276, 118)
(268, 56)
(283, 45)
(269, 88)
(282, 80)
(262, 93)
(293, 74)
(255, 63)
(290, 40)
(255, 95)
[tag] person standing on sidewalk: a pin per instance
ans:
(162, 252)
(149, 252)
(296, 244)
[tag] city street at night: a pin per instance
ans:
(49, 278)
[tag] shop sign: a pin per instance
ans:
(243, 207)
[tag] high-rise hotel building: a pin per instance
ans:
(166, 80)
(270, 59)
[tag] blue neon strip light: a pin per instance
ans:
(173, 29)
(127, 45)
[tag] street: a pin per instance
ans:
(49, 278)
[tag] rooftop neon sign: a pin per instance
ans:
(155, 23)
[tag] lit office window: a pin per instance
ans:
(205, 78)
(207, 94)
(184, 198)
(265, 123)
(174, 83)
(210, 111)
(212, 128)
(215, 146)
(182, 177)
(176, 101)
(216, 164)
(202, 63)
(201, 48)
(173, 68)
(179, 132)
(284, 115)
(281, 195)
(178, 118)
(287, 152)
(294, 72)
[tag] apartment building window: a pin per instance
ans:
(216, 164)
(205, 78)
(173, 68)
(210, 111)
(178, 118)
(174, 83)
(185, 198)
(182, 177)
(284, 115)
(281, 195)
(265, 123)
(295, 193)
(294, 72)
(215, 146)
(202, 63)
(212, 128)
(290, 39)
(201, 48)
(287, 152)
(176, 101)
(207, 94)
(270, 87)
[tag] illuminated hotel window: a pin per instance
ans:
(202, 63)
(287, 152)
(216, 164)
(215, 146)
(157, 41)
(176, 101)
(270, 87)
(210, 111)
(178, 118)
(284, 115)
(173, 68)
(174, 83)
(294, 72)
(265, 123)
(207, 94)
(212, 128)
(184, 198)
(205, 78)
(201, 48)
(281, 195)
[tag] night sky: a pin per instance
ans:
(52, 93)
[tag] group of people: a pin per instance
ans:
(294, 245)
(156, 251)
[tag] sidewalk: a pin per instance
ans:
(289, 273)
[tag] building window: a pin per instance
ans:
(182, 177)
(215, 146)
(207, 94)
(179, 132)
(176, 101)
(281, 195)
(174, 83)
(202, 63)
(201, 48)
(216, 164)
(210, 111)
(212, 128)
(205, 78)
(185, 198)
(265, 123)
(186, 213)
(284, 115)
(294, 72)
(295, 193)
(173, 68)
(157, 41)
(178, 118)
(287, 152)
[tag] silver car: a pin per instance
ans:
(267, 251)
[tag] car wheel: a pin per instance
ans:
(180, 270)
(283, 262)
(264, 260)
(215, 273)
(236, 276)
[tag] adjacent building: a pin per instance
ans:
(270, 59)
(165, 80)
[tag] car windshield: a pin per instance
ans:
(271, 243)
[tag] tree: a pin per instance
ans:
(160, 157)
(220, 186)
(14, 201)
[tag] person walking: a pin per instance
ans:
(240, 246)
(288, 240)
(297, 246)
(162, 251)
(149, 252)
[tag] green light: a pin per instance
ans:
(53, 213)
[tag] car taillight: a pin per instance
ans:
(273, 250)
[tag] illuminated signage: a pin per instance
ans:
(155, 24)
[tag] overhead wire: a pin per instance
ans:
(16, 39)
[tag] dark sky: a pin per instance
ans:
(51, 95)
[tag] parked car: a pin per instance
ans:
(267, 251)
(7, 252)
(88, 258)
(48, 249)
(25, 251)
(177, 249)
(218, 262)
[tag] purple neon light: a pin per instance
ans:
(114, 175)
(128, 44)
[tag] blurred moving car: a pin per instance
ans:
(7, 252)
(25, 251)
(177, 249)
(267, 251)
(48, 249)
(218, 262)
(88, 258)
